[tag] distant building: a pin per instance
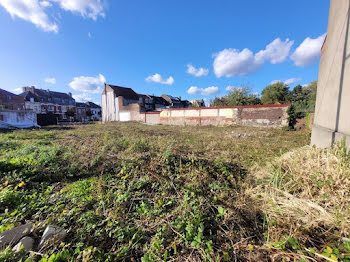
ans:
(11, 101)
(176, 102)
(152, 103)
(13, 113)
(197, 103)
(95, 111)
(124, 104)
(81, 110)
(118, 103)
(46, 101)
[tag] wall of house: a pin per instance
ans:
(128, 109)
(109, 112)
(17, 118)
(258, 116)
(332, 122)
(119, 109)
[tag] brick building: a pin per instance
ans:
(11, 101)
(46, 101)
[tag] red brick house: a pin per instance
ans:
(11, 101)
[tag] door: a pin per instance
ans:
(124, 116)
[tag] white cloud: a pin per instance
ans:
(30, 10)
(82, 97)
(34, 10)
(276, 81)
(231, 88)
(292, 81)
(86, 8)
(276, 52)
(194, 90)
(308, 52)
(45, 4)
(197, 72)
(287, 82)
(17, 91)
(157, 78)
(50, 80)
(233, 62)
(88, 84)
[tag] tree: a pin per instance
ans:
(292, 117)
(304, 98)
(219, 101)
(312, 99)
(240, 96)
(70, 113)
(89, 113)
(278, 92)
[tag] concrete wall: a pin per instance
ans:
(152, 118)
(17, 118)
(267, 116)
(332, 121)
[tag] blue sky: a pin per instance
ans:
(193, 49)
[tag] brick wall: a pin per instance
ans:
(268, 116)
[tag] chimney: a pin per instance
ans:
(70, 94)
(29, 89)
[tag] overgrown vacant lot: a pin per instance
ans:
(133, 192)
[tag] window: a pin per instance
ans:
(1, 118)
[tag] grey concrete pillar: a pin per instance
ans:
(332, 115)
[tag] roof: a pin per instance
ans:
(143, 96)
(125, 92)
(47, 95)
(79, 104)
(27, 95)
(172, 99)
(12, 95)
(160, 100)
(92, 105)
(197, 100)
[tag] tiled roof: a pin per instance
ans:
(160, 100)
(41, 95)
(77, 104)
(125, 92)
(93, 105)
(9, 94)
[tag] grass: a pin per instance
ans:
(305, 193)
(132, 192)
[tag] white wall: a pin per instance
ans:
(19, 119)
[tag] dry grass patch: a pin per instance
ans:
(305, 190)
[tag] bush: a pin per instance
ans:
(292, 117)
